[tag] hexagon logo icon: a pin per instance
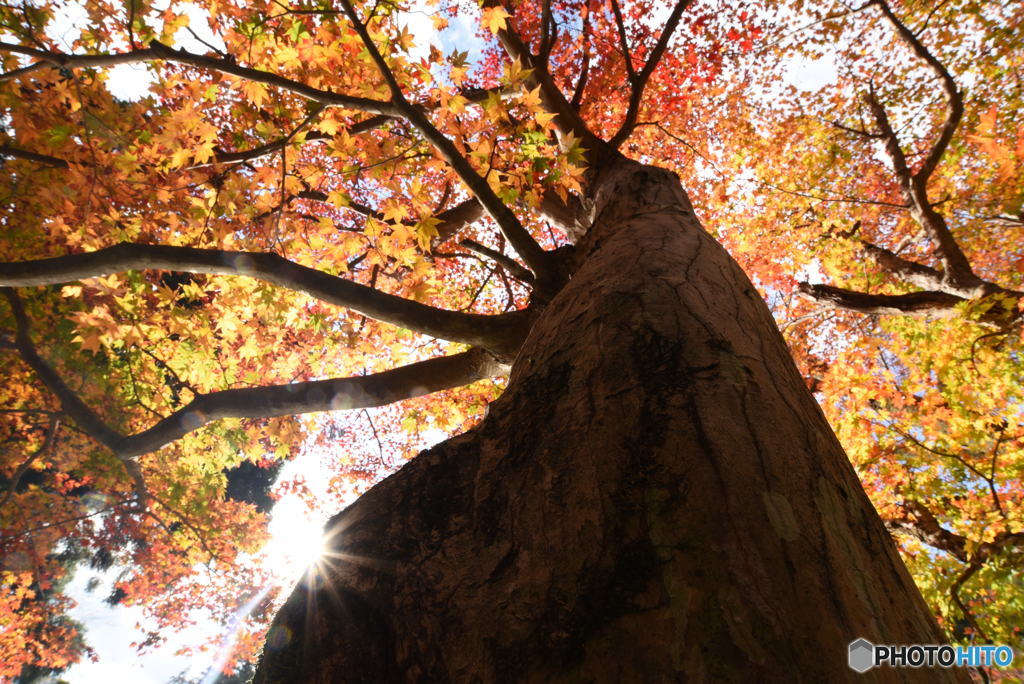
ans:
(862, 655)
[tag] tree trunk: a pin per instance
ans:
(656, 497)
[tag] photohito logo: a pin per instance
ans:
(865, 655)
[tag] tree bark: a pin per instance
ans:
(656, 497)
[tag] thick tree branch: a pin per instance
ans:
(958, 275)
(450, 221)
(926, 303)
(957, 281)
(620, 27)
(456, 218)
(501, 333)
(581, 81)
(158, 50)
(919, 522)
(23, 50)
(226, 66)
(70, 402)
(49, 60)
(1005, 219)
(954, 99)
(221, 157)
(44, 159)
(536, 258)
(640, 82)
(567, 120)
(508, 263)
(911, 272)
(915, 303)
(366, 391)
(892, 145)
(954, 594)
(472, 95)
(568, 214)
(547, 32)
(134, 470)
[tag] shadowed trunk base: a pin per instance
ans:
(655, 498)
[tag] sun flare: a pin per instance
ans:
(297, 540)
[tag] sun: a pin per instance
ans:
(297, 540)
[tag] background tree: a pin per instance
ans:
(312, 154)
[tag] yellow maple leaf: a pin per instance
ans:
(531, 98)
(90, 341)
(203, 153)
(426, 230)
(544, 119)
(180, 157)
(338, 198)
(395, 213)
(457, 104)
(494, 18)
(250, 349)
(458, 74)
(254, 92)
(328, 126)
(288, 56)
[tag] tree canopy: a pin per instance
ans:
(314, 211)
(896, 195)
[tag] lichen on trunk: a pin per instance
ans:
(656, 497)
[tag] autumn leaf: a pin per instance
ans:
(493, 18)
